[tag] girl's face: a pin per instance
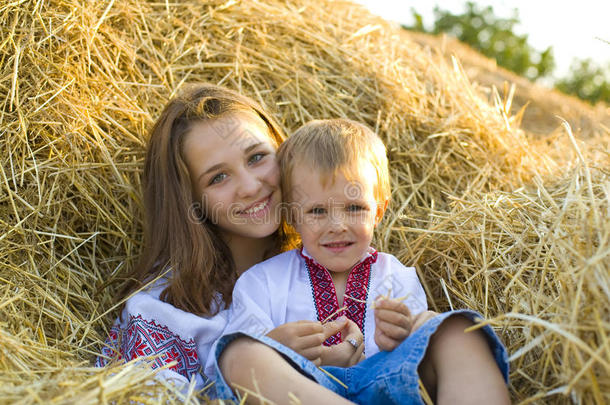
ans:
(234, 174)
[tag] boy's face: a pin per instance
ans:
(335, 222)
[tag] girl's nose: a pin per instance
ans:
(249, 184)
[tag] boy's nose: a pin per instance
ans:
(337, 222)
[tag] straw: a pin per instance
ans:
(507, 206)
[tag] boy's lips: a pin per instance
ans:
(337, 247)
(258, 208)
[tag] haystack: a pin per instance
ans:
(513, 226)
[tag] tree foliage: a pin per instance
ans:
(495, 37)
(588, 81)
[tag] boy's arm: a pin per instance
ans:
(250, 312)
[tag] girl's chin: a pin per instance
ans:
(253, 231)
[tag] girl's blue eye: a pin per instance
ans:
(355, 207)
(218, 178)
(256, 157)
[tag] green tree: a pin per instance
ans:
(492, 36)
(587, 81)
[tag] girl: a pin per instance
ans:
(211, 193)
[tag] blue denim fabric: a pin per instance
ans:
(386, 377)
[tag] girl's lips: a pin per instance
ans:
(337, 247)
(258, 209)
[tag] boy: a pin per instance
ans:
(335, 182)
(334, 178)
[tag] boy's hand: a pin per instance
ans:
(345, 354)
(394, 322)
(422, 318)
(306, 337)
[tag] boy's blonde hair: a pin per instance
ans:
(334, 145)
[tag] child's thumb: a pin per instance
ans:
(331, 328)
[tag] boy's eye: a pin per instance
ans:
(355, 207)
(317, 210)
(218, 178)
(256, 157)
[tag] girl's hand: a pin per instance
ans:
(344, 354)
(306, 337)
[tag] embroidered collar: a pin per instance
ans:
(325, 295)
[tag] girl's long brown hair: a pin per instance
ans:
(201, 263)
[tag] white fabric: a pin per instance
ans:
(278, 291)
(162, 329)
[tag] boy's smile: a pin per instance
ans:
(336, 220)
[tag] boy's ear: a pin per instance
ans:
(381, 207)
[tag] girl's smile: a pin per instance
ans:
(258, 209)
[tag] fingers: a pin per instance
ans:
(358, 355)
(393, 331)
(351, 331)
(306, 328)
(384, 342)
(422, 318)
(331, 328)
(396, 318)
(392, 305)
(314, 354)
(313, 340)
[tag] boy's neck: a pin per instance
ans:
(340, 282)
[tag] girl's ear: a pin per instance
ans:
(381, 207)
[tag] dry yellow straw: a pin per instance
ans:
(333, 377)
(502, 203)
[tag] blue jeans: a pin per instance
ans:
(386, 377)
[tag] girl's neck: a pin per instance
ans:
(249, 251)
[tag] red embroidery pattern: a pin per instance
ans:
(325, 295)
(147, 338)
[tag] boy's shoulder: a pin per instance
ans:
(279, 263)
(389, 260)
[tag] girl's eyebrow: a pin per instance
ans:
(251, 147)
(210, 169)
(215, 167)
(220, 165)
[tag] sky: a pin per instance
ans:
(569, 27)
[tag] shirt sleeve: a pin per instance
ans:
(406, 285)
(161, 334)
(250, 310)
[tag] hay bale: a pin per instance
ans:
(493, 218)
